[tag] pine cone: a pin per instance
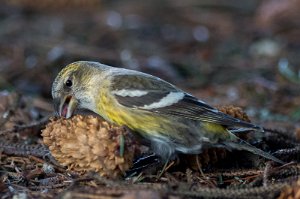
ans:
(291, 192)
(209, 156)
(214, 155)
(87, 143)
(235, 112)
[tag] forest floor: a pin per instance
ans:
(224, 52)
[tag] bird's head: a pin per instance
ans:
(74, 87)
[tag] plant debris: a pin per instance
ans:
(224, 52)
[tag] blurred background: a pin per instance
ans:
(226, 52)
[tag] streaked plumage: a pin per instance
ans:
(172, 120)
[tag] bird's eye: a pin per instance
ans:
(69, 83)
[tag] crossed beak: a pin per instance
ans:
(65, 106)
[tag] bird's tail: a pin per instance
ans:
(240, 144)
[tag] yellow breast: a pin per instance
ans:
(135, 119)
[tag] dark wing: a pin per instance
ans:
(161, 97)
(192, 108)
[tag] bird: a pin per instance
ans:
(170, 119)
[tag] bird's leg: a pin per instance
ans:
(199, 166)
(163, 169)
(166, 166)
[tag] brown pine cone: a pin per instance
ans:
(291, 192)
(235, 112)
(214, 155)
(88, 143)
(209, 156)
